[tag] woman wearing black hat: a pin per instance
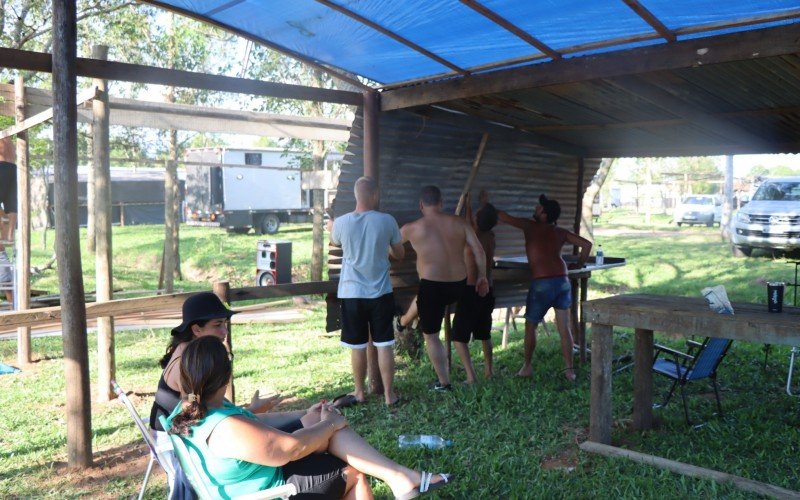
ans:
(205, 315)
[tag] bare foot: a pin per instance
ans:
(487, 373)
(469, 382)
(525, 371)
(570, 374)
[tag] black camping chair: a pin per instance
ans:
(700, 362)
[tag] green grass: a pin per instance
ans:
(512, 438)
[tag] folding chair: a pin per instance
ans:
(195, 475)
(161, 454)
(700, 362)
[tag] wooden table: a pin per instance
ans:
(682, 315)
(579, 279)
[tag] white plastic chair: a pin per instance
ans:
(195, 475)
(161, 454)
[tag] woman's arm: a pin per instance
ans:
(244, 439)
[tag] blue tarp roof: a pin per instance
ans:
(462, 38)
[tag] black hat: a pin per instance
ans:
(551, 208)
(202, 307)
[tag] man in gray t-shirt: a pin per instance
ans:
(367, 238)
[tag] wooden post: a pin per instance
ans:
(727, 203)
(78, 409)
(106, 364)
(222, 289)
(643, 380)
(576, 225)
(371, 135)
(23, 261)
(371, 111)
(600, 398)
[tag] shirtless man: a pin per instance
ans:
(439, 240)
(8, 210)
(549, 285)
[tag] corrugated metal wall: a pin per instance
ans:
(416, 151)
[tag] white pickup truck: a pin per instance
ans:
(771, 219)
(698, 209)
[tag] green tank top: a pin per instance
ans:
(226, 477)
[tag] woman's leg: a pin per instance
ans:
(357, 452)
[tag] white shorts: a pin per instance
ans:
(6, 270)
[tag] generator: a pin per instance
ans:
(273, 262)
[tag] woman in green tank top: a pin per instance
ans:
(240, 454)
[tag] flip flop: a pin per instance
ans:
(345, 401)
(426, 486)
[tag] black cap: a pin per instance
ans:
(551, 207)
(202, 307)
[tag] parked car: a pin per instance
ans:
(698, 209)
(771, 219)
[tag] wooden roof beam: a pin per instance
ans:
(391, 34)
(111, 70)
(766, 42)
(508, 25)
(31, 121)
(651, 19)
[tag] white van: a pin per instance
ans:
(698, 209)
(771, 219)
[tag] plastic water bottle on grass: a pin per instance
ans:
(423, 441)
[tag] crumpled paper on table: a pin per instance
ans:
(717, 299)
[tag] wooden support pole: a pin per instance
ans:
(372, 108)
(762, 489)
(222, 290)
(23, 260)
(643, 380)
(600, 397)
(106, 364)
(65, 159)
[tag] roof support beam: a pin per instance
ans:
(391, 34)
(86, 95)
(760, 43)
(651, 19)
(110, 70)
(505, 23)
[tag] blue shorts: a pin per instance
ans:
(545, 293)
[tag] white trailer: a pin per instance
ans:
(239, 189)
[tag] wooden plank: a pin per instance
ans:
(751, 44)
(643, 380)
(222, 290)
(112, 70)
(476, 163)
(600, 396)
(371, 126)
(86, 95)
(685, 469)
(691, 316)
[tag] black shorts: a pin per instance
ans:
(8, 187)
(473, 316)
(317, 476)
(432, 299)
(360, 317)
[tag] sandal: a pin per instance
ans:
(426, 486)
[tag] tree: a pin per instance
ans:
(599, 179)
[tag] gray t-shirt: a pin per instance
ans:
(365, 238)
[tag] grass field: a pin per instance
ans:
(512, 438)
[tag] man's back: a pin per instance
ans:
(365, 238)
(439, 241)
